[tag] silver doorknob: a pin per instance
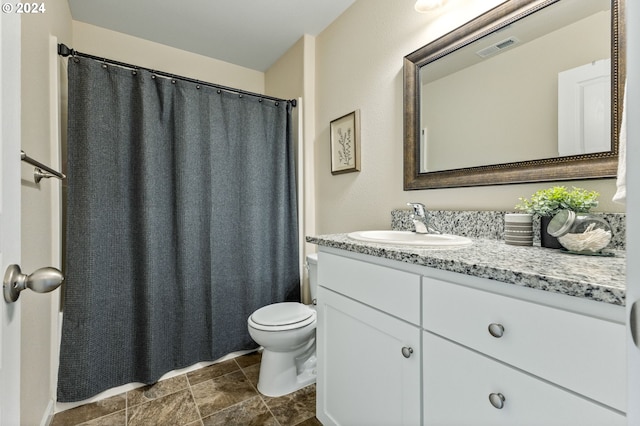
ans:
(43, 280)
(496, 330)
(407, 351)
(497, 400)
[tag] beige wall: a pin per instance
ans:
(285, 78)
(40, 228)
(359, 66)
(101, 42)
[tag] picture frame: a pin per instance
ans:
(345, 143)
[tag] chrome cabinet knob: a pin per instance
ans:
(496, 330)
(497, 400)
(407, 351)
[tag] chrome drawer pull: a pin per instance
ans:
(496, 330)
(407, 351)
(497, 400)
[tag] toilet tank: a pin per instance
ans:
(312, 265)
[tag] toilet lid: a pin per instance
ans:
(278, 314)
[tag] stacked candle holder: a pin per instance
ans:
(518, 229)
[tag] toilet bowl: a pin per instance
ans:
(287, 332)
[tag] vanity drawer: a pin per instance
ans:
(390, 290)
(579, 352)
(459, 382)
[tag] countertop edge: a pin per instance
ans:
(492, 266)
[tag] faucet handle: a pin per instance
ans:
(418, 208)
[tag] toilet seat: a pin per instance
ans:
(282, 316)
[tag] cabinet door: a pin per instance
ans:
(364, 378)
(459, 382)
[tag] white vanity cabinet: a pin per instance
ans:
(368, 344)
(403, 344)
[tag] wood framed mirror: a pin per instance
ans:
(472, 134)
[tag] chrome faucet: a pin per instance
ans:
(420, 218)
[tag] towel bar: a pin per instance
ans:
(41, 171)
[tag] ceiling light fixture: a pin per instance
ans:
(424, 6)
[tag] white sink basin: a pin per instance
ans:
(408, 238)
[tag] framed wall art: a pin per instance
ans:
(345, 143)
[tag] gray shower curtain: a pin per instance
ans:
(181, 221)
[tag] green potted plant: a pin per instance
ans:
(547, 202)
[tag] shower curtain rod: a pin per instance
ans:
(64, 50)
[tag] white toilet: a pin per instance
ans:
(287, 332)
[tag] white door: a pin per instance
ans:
(584, 105)
(9, 213)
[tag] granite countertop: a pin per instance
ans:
(598, 278)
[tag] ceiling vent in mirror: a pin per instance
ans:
(497, 47)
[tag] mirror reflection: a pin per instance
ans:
(539, 88)
(527, 92)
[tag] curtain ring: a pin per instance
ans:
(240, 95)
(219, 91)
(197, 86)
(104, 66)
(153, 76)
(134, 72)
(173, 82)
(277, 103)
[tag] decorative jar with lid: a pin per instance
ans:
(580, 232)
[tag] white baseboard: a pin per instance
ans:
(47, 418)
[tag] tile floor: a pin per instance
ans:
(221, 394)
